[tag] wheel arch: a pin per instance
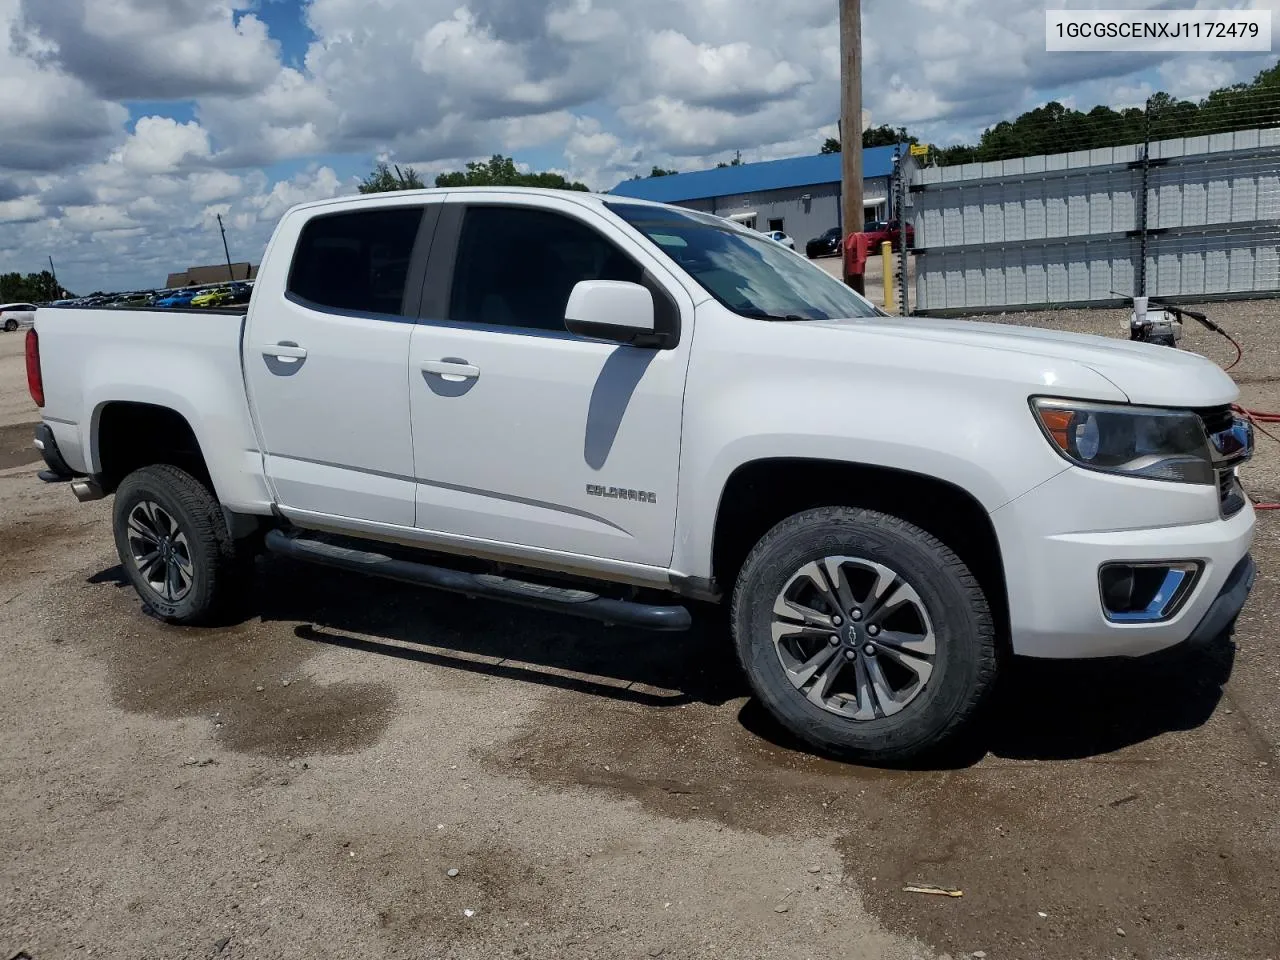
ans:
(127, 435)
(761, 493)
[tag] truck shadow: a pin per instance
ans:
(1042, 710)
(368, 615)
(1070, 710)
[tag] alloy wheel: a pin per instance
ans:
(853, 637)
(161, 551)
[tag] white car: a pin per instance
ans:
(782, 238)
(646, 403)
(15, 315)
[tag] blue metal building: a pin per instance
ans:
(799, 195)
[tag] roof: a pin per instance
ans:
(753, 177)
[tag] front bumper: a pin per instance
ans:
(1055, 538)
(1227, 605)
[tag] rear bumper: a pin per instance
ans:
(58, 470)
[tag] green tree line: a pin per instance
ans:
(33, 288)
(1055, 128)
(497, 171)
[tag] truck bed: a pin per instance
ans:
(183, 360)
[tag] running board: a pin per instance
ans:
(578, 603)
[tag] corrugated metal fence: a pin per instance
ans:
(1069, 228)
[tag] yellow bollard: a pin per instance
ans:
(886, 256)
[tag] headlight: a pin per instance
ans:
(1134, 441)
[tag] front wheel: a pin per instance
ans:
(10, 325)
(863, 635)
(174, 546)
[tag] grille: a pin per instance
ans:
(1216, 419)
(1230, 493)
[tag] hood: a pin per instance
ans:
(1143, 372)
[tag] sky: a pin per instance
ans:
(127, 126)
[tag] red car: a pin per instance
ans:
(880, 230)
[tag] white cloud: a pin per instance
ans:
(318, 184)
(48, 119)
(162, 145)
(214, 185)
(155, 49)
(21, 210)
(99, 216)
(732, 73)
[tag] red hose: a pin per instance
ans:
(1256, 417)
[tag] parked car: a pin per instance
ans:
(779, 237)
(827, 245)
(180, 299)
(212, 298)
(240, 292)
(15, 315)
(882, 230)
(644, 404)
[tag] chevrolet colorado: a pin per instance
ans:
(607, 407)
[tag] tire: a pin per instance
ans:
(10, 325)
(823, 695)
(165, 507)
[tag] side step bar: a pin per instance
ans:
(578, 603)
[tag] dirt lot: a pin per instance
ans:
(301, 785)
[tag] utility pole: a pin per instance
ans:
(851, 117)
(230, 273)
(57, 290)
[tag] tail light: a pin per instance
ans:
(35, 382)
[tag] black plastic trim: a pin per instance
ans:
(697, 588)
(59, 471)
(411, 299)
(663, 617)
(1227, 605)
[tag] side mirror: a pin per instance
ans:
(612, 310)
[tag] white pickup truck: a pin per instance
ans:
(607, 407)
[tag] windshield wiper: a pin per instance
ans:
(761, 315)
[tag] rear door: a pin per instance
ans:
(326, 360)
(527, 434)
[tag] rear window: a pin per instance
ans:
(356, 262)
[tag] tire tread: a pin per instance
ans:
(227, 571)
(985, 627)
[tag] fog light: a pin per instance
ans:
(1146, 592)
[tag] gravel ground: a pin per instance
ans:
(304, 784)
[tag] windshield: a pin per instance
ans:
(747, 272)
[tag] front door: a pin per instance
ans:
(326, 362)
(523, 432)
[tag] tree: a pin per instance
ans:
(382, 180)
(881, 136)
(500, 171)
(735, 162)
(32, 288)
(655, 172)
(1054, 128)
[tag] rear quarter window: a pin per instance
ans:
(356, 262)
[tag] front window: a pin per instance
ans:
(750, 274)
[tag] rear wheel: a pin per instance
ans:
(175, 548)
(10, 325)
(863, 635)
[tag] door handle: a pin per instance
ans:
(286, 351)
(452, 370)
